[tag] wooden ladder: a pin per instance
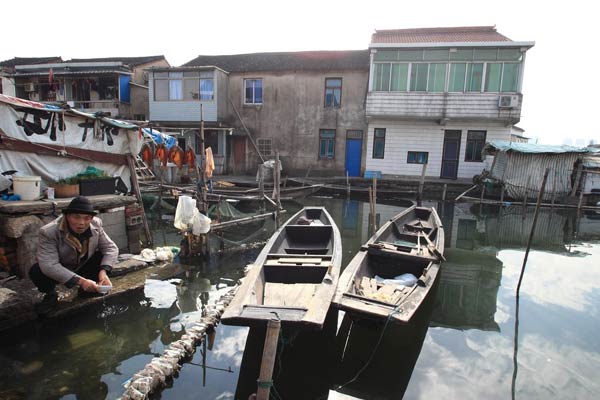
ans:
(143, 172)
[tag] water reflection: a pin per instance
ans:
(461, 347)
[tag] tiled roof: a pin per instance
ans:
(290, 61)
(28, 61)
(439, 35)
(131, 61)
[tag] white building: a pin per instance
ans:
(437, 95)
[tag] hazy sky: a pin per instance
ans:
(561, 88)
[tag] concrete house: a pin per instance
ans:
(309, 106)
(437, 95)
(117, 86)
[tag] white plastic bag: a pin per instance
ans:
(200, 223)
(184, 214)
(400, 280)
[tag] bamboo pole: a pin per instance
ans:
(243, 221)
(268, 359)
(460, 196)
(526, 195)
(554, 186)
(247, 131)
(531, 233)
(577, 178)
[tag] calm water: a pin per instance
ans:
(461, 344)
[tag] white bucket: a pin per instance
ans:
(28, 187)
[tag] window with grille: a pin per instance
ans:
(265, 146)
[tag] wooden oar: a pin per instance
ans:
(434, 249)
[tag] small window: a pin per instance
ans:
(265, 146)
(253, 91)
(333, 92)
(379, 143)
(326, 143)
(418, 157)
(475, 143)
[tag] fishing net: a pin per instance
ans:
(227, 211)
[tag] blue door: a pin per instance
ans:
(353, 156)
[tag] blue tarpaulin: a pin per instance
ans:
(160, 138)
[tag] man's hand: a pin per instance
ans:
(88, 285)
(103, 278)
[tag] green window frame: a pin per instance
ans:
(418, 77)
(493, 77)
(475, 143)
(510, 77)
(437, 77)
(326, 144)
(379, 143)
(457, 77)
(399, 78)
(474, 77)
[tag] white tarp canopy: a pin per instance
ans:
(41, 124)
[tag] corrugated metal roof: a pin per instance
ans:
(437, 35)
(291, 61)
(534, 148)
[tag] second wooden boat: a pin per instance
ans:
(394, 271)
(294, 277)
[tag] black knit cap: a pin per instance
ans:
(80, 205)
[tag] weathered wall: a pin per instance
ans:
(404, 136)
(293, 112)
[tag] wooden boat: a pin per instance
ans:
(294, 277)
(410, 243)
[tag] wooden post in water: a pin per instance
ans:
(347, 185)
(261, 183)
(268, 360)
(525, 196)
(554, 187)
(444, 192)
(374, 203)
(422, 182)
(204, 205)
(276, 183)
(530, 239)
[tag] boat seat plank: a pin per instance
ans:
(265, 313)
(289, 295)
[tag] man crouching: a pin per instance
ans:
(72, 250)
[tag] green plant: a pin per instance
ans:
(71, 180)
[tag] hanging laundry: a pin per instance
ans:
(210, 162)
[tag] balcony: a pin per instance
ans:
(443, 107)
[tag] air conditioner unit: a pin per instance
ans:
(29, 87)
(508, 101)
